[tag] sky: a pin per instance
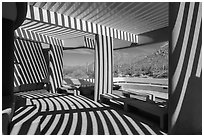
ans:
(79, 42)
(78, 57)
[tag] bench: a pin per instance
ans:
(146, 96)
(148, 107)
(105, 98)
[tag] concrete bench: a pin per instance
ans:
(105, 98)
(148, 107)
(146, 96)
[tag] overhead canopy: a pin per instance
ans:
(133, 17)
(67, 20)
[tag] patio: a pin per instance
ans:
(40, 112)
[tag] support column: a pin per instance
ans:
(185, 86)
(55, 66)
(103, 65)
(12, 16)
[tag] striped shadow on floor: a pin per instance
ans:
(54, 114)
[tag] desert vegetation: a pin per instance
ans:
(153, 65)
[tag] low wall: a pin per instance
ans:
(141, 80)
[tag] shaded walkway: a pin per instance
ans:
(45, 113)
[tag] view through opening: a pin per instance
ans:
(142, 71)
(78, 69)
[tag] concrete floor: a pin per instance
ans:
(46, 113)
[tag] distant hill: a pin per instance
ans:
(79, 72)
(154, 64)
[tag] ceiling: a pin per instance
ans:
(133, 17)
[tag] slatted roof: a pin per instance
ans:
(133, 17)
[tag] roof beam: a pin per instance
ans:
(155, 36)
